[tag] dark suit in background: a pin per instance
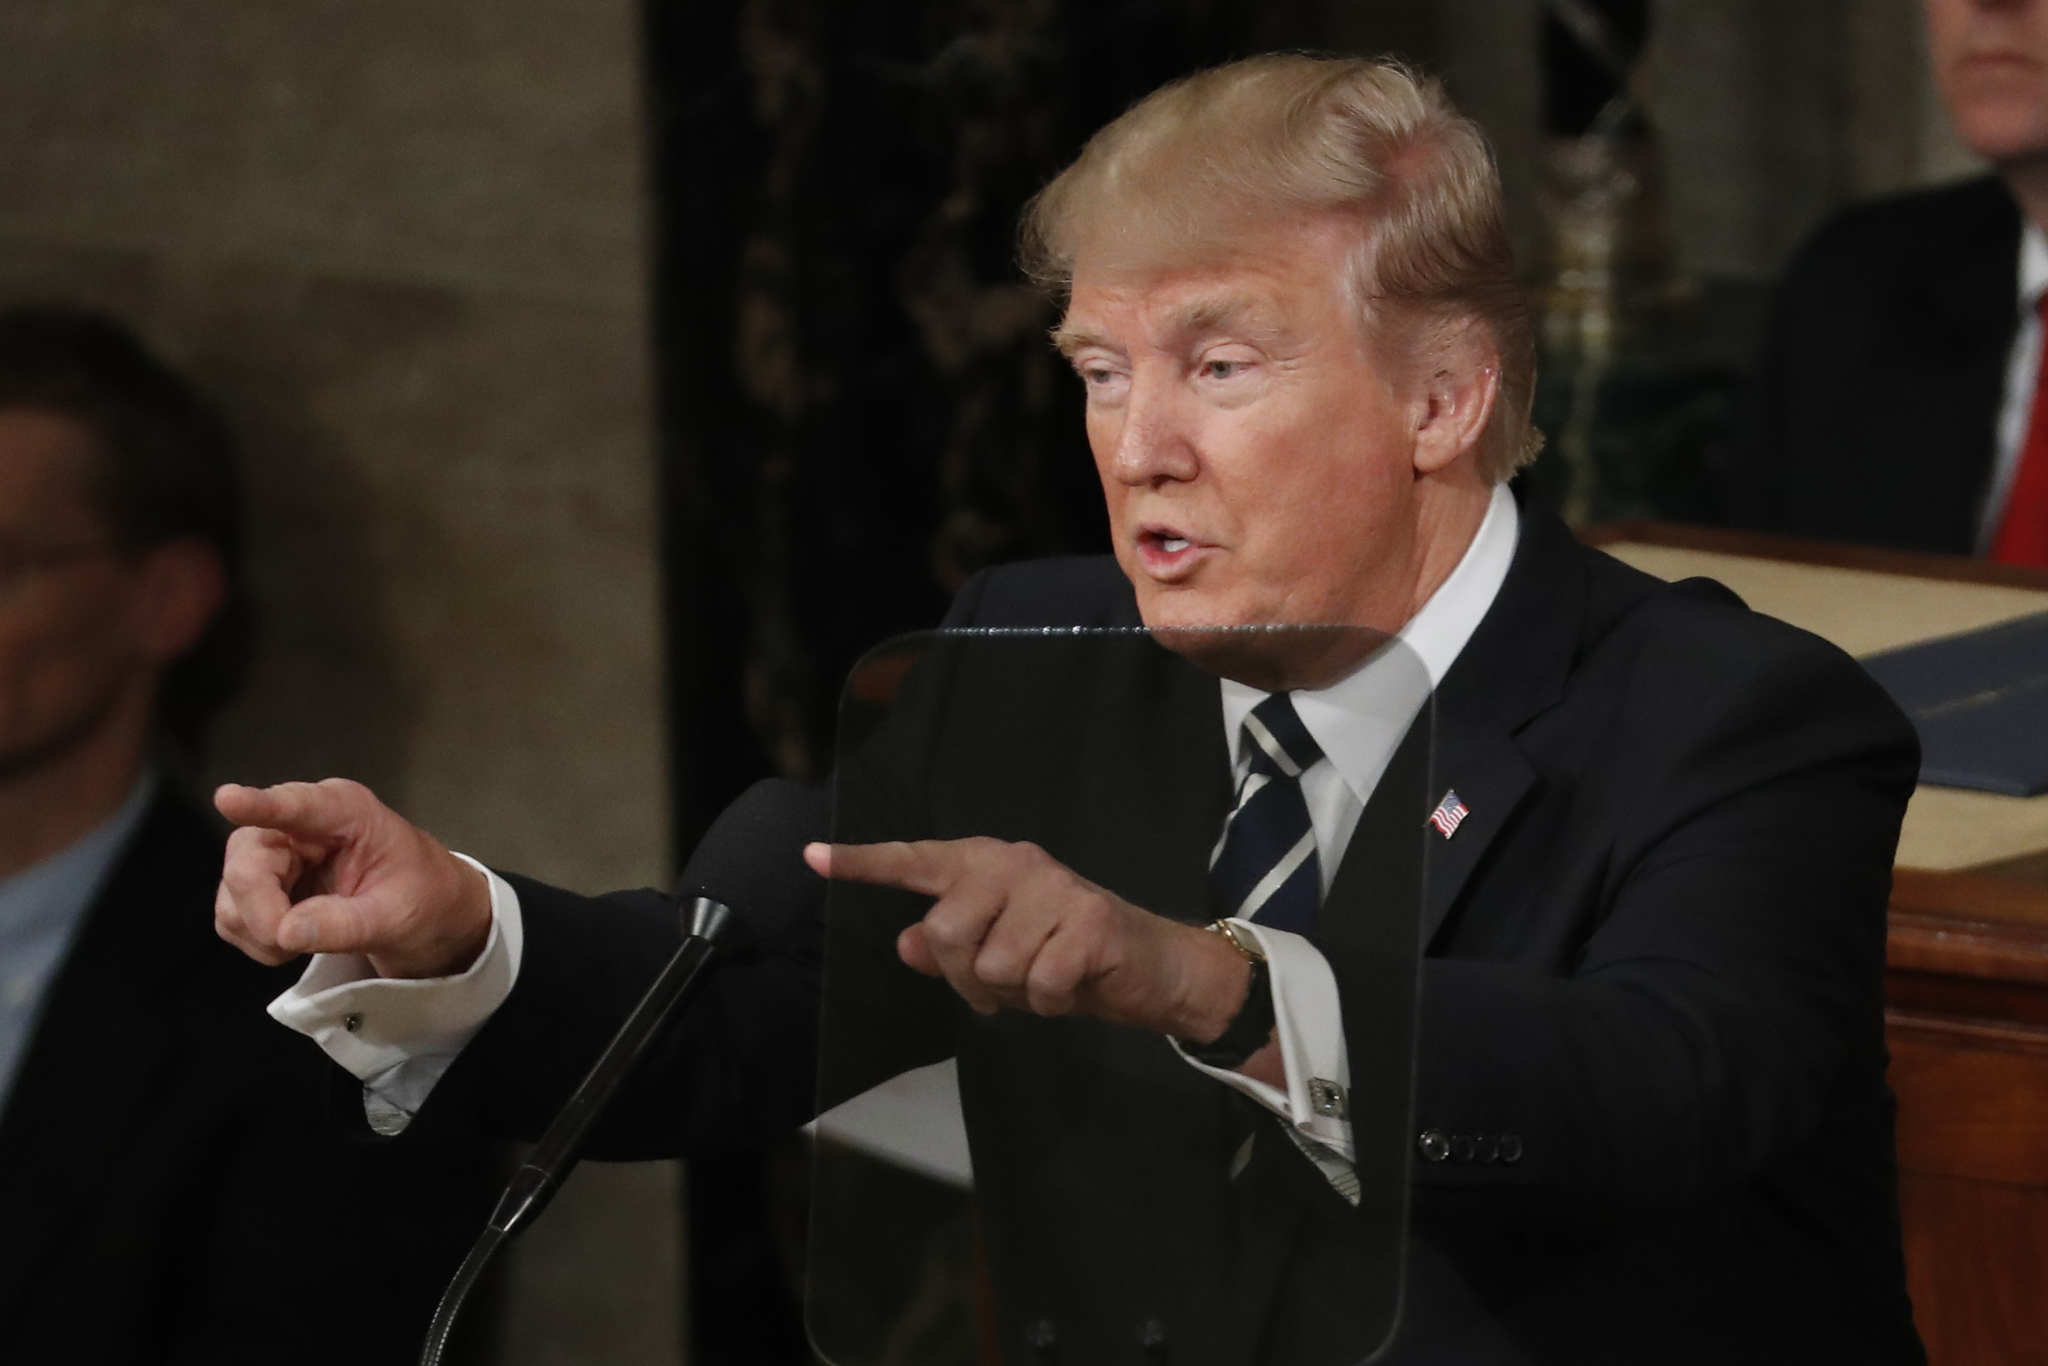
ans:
(171, 1186)
(1873, 414)
(1655, 958)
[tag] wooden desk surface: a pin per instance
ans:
(1866, 601)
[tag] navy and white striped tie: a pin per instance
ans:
(1264, 867)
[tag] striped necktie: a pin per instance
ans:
(1264, 868)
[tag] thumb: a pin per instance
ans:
(333, 924)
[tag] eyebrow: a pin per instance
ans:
(1209, 315)
(1067, 341)
(1191, 319)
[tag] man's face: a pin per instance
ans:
(71, 641)
(1991, 62)
(1256, 454)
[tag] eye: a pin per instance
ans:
(1104, 380)
(1219, 368)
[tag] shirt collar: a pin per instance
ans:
(2033, 267)
(60, 889)
(1358, 719)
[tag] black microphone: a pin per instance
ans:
(746, 889)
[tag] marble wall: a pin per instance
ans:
(403, 245)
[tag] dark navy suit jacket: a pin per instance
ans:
(1654, 958)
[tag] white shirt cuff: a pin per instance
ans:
(398, 1036)
(1309, 1020)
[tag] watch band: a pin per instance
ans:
(1247, 944)
(1248, 1030)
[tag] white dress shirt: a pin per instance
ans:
(1358, 722)
(399, 1037)
(2022, 372)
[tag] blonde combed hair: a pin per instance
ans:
(1198, 167)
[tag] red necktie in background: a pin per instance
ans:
(2023, 531)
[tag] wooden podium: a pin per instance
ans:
(1967, 959)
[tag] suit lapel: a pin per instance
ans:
(1487, 770)
(1512, 669)
(98, 1054)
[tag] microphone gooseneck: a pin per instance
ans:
(749, 858)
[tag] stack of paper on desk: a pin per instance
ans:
(1980, 703)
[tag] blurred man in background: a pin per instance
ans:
(1898, 400)
(160, 1138)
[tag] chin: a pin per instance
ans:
(1275, 661)
(2005, 129)
(1170, 608)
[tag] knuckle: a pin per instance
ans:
(346, 798)
(998, 967)
(247, 841)
(948, 936)
(1051, 992)
(240, 878)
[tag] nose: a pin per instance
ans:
(1154, 442)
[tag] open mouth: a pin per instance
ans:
(1167, 551)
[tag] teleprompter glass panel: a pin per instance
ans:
(1035, 1189)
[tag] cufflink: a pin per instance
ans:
(1327, 1098)
(353, 1021)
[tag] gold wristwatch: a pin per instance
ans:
(1248, 1032)
(1238, 938)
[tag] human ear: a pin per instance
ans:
(181, 587)
(1457, 398)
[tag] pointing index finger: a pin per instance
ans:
(926, 866)
(303, 809)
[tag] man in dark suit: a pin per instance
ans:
(1896, 399)
(1650, 1114)
(159, 1138)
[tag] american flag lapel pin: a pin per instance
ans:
(1450, 813)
